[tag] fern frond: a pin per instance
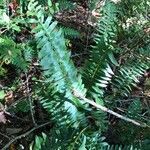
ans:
(55, 61)
(84, 142)
(54, 56)
(11, 53)
(55, 104)
(128, 77)
(70, 115)
(69, 32)
(145, 52)
(98, 72)
(120, 147)
(66, 5)
(70, 140)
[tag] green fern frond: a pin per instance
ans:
(60, 71)
(78, 121)
(81, 143)
(71, 140)
(55, 61)
(128, 77)
(54, 56)
(55, 106)
(98, 72)
(11, 53)
(66, 5)
(28, 52)
(69, 32)
(118, 147)
(145, 52)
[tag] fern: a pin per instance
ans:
(60, 71)
(96, 143)
(51, 41)
(128, 77)
(70, 33)
(56, 63)
(81, 123)
(66, 5)
(73, 141)
(118, 59)
(52, 102)
(11, 53)
(98, 72)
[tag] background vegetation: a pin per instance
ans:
(74, 75)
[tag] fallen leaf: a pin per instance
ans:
(12, 147)
(9, 97)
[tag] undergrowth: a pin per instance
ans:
(100, 104)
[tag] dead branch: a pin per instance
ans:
(23, 135)
(105, 109)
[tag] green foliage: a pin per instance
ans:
(128, 77)
(11, 53)
(62, 75)
(9, 23)
(98, 72)
(70, 33)
(2, 95)
(66, 5)
(117, 60)
(39, 142)
(85, 143)
(55, 59)
(59, 70)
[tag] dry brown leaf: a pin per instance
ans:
(9, 98)
(12, 147)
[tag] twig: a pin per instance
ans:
(30, 100)
(1, 32)
(4, 135)
(23, 135)
(14, 104)
(14, 116)
(76, 55)
(105, 109)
